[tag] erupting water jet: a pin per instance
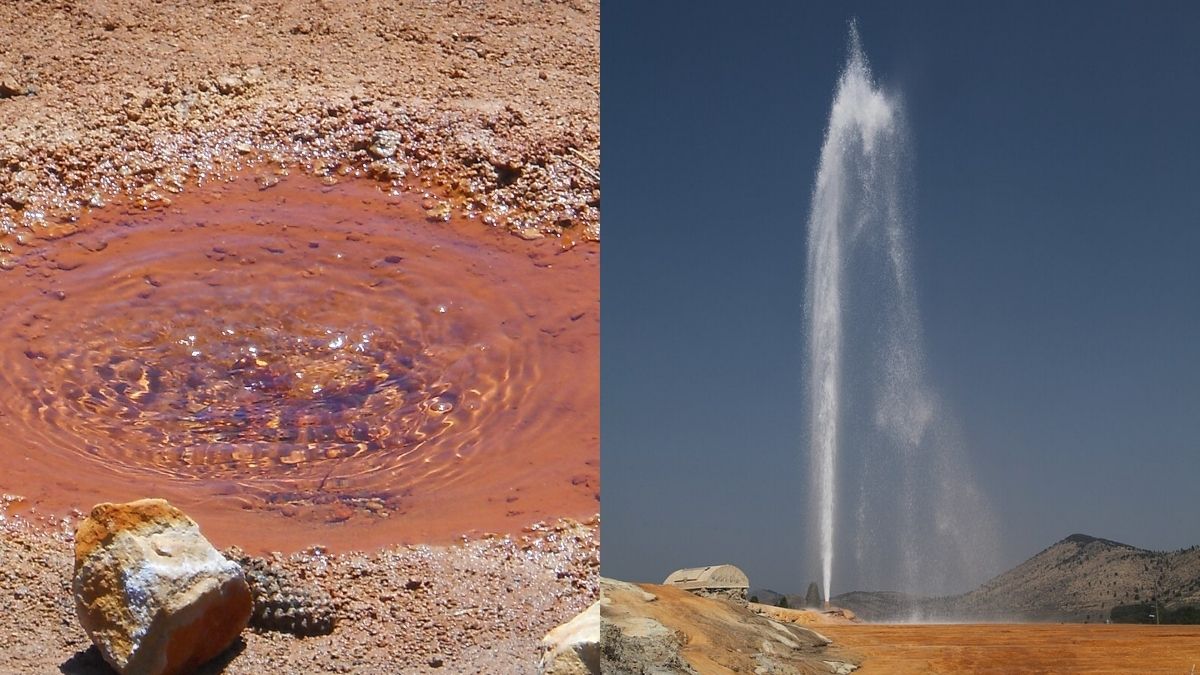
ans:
(861, 301)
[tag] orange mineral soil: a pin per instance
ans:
(301, 365)
(1020, 648)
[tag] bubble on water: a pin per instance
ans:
(363, 343)
(440, 405)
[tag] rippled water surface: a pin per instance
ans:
(319, 363)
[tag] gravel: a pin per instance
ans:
(493, 107)
(478, 607)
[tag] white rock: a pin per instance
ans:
(151, 592)
(574, 647)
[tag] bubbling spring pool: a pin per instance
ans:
(304, 364)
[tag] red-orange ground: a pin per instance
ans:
(1020, 648)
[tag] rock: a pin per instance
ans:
(615, 585)
(384, 144)
(25, 178)
(632, 641)
(386, 171)
(664, 628)
(574, 647)
(17, 198)
(230, 85)
(528, 233)
(10, 87)
(439, 213)
(151, 592)
(266, 181)
(845, 615)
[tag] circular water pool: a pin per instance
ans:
(315, 364)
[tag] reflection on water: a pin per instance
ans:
(295, 347)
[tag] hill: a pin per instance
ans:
(1081, 578)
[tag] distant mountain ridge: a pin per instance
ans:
(1080, 578)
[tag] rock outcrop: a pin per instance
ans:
(663, 629)
(574, 647)
(151, 592)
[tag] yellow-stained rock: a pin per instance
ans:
(574, 647)
(151, 592)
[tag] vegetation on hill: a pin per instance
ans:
(813, 597)
(1145, 612)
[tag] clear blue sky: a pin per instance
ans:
(1056, 248)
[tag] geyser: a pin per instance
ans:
(867, 391)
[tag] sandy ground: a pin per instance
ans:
(478, 607)
(1020, 648)
(489, 109)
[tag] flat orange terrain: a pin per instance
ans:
(1020, 648)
